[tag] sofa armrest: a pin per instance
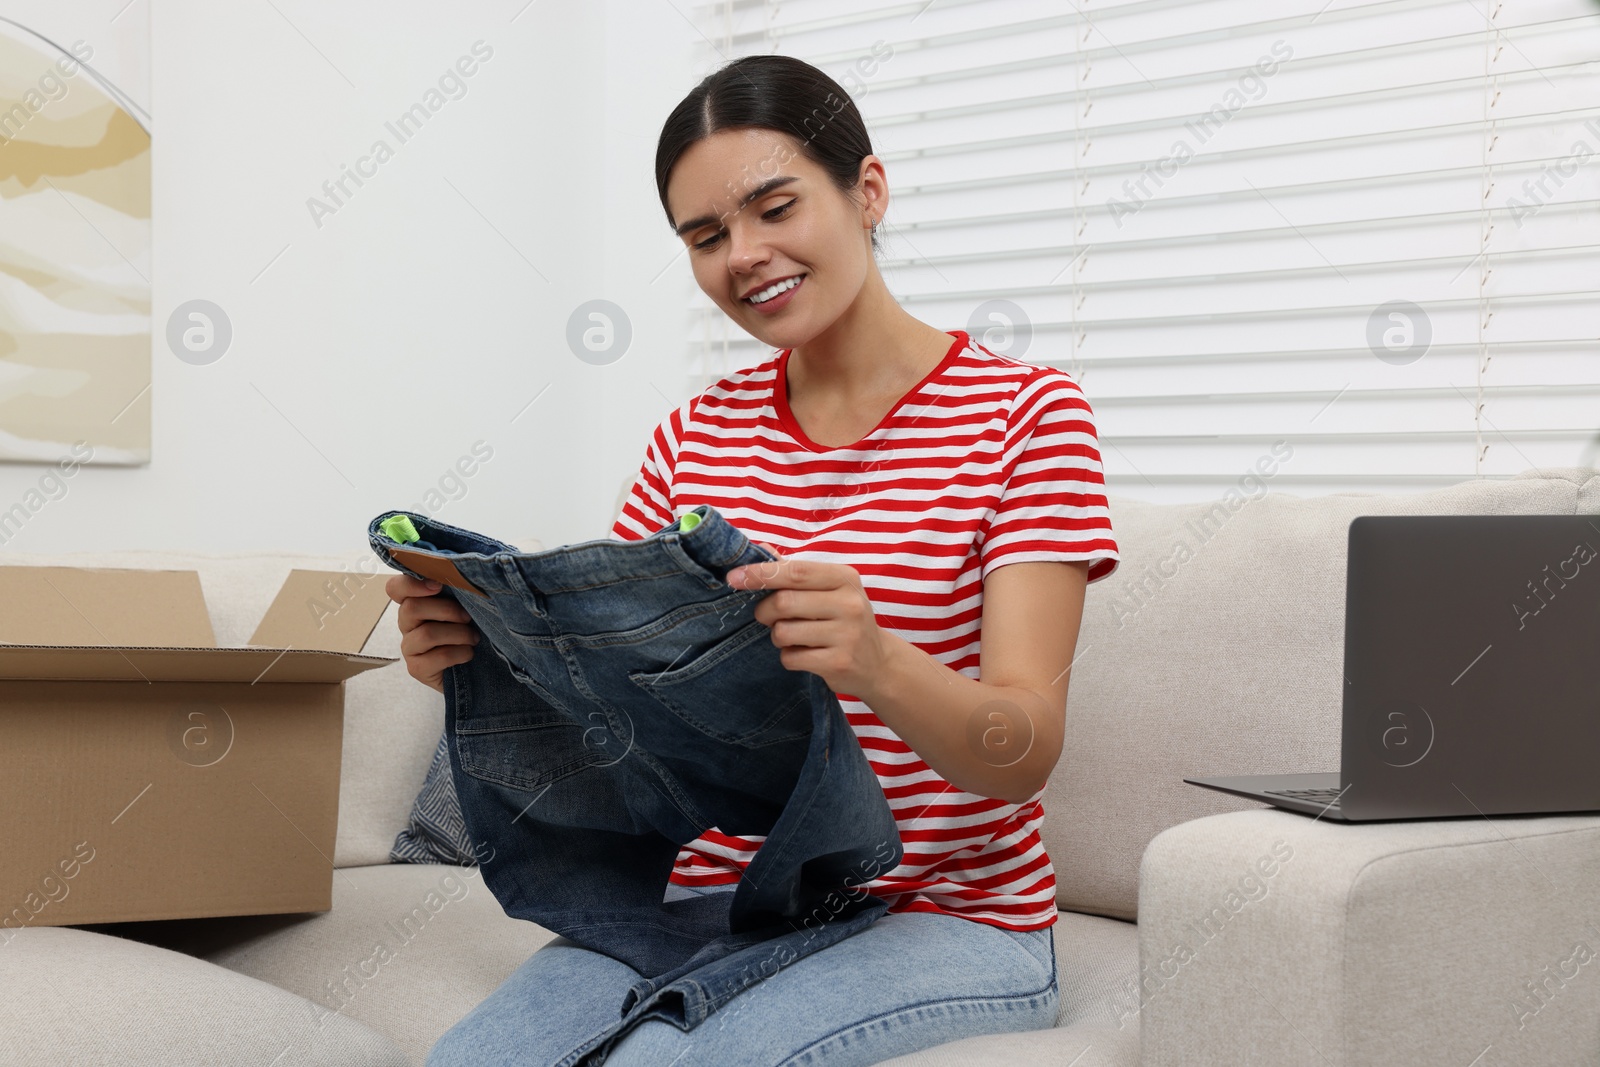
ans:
(1267, 937)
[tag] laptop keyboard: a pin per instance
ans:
(1314, 796)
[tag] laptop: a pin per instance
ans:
(1471, 673)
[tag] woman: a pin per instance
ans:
(919, 490)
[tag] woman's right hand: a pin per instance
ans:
(435, 631)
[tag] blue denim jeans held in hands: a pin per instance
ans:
(623, 700)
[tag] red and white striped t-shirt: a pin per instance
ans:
(986, 461)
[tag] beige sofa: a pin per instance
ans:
(1262, 937)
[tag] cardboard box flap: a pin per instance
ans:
(103, 606)
(334, 611)
(130, 663)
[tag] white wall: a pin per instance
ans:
(423, 315)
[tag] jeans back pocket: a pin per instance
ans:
(737, 691)
(526, 751)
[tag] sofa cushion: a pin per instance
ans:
(71, 996)
(1097, 968)
(392, 722)
(408, 949)
(1218, 648)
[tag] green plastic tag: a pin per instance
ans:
(398, 528)
(689, 521)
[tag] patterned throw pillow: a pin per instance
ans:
(436, 833)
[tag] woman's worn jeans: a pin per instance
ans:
(911, 981)
(625, 699)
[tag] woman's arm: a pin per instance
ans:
(999, 737)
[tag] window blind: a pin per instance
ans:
(1364, 233)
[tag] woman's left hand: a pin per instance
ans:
(821, 619)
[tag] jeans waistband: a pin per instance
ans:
(709, 550)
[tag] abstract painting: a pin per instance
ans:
(74, 254)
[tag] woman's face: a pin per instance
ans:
(797, 224)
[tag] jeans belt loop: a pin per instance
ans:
(515, 580)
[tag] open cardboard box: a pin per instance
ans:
(146, 773)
